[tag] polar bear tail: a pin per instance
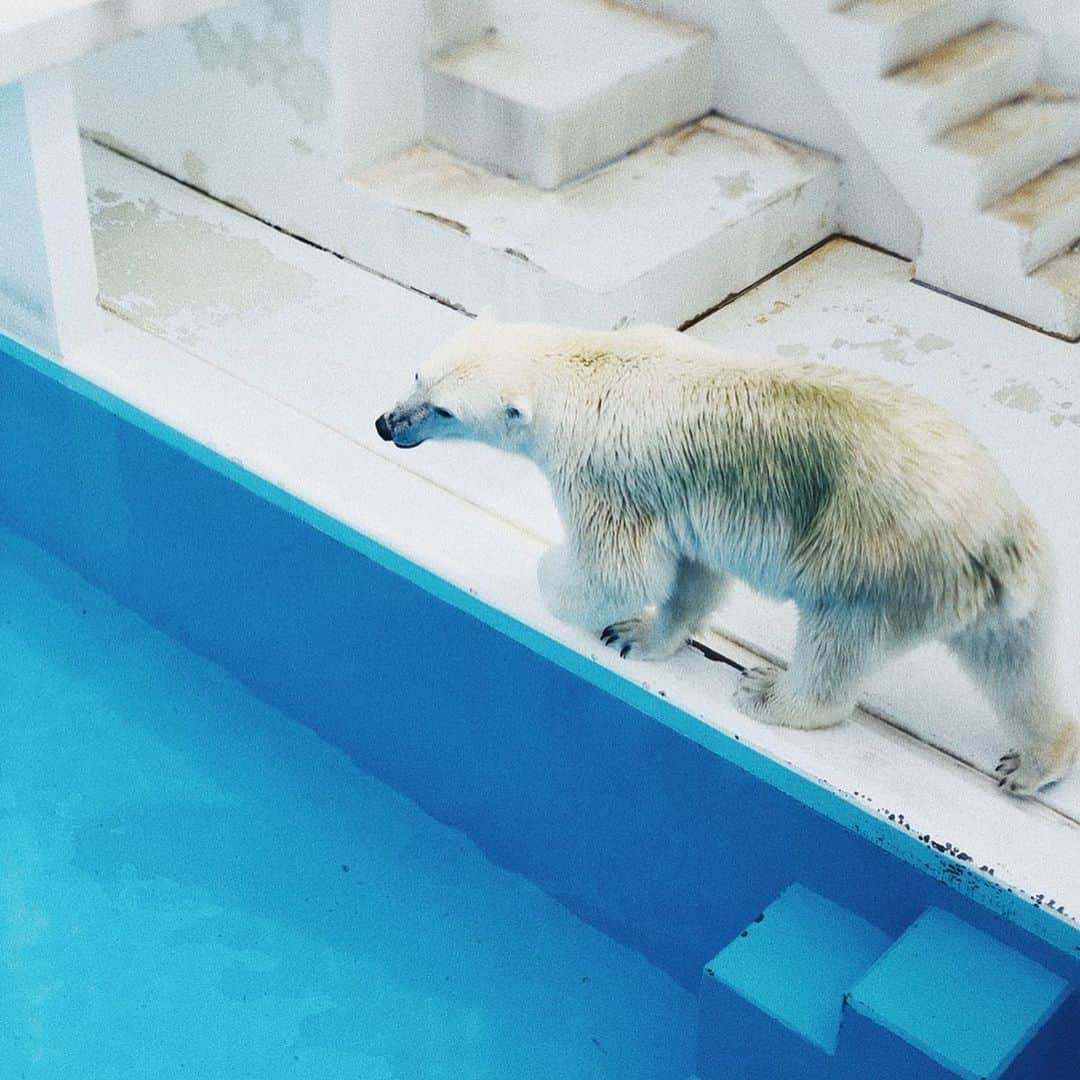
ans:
(1019, 570)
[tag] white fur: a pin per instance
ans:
(675, 466)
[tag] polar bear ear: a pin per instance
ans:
(518, 409)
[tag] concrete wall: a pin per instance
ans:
(25, 286)
(48, 283)
(266, 103)
(761, 81)
(241, 103)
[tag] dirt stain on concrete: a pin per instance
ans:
(932, 343)
(735, 187)
(891, 349)
(168, 271)
(777, 307)
(268, 54)
(194, 169)
(1019, 395)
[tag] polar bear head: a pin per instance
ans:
(477, 385)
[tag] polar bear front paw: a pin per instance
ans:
(755, 689)
(1020, 774)
(642, 638)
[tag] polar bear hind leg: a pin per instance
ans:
(1009, 659)
(660, 632)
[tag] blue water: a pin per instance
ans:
(192, 885)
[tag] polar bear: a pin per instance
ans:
(676, 466)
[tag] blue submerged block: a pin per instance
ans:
(947, 1000)
(771, 1001)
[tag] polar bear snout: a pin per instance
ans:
(403, 426)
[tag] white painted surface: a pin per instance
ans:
(48, 279)
(38, 34)
(560, 87)
(761, 81)
(1008, 146)
(452, 23)
(909, 29)
(279, 356)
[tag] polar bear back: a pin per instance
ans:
(805, 477)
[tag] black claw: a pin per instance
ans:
(1001, 781)
(624, 650)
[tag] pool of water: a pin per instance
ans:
(275, 802)
(199, 886)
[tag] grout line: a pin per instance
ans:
(993, 311)
(865, 710)
(247, 212)
(453, 305)
(739, 293)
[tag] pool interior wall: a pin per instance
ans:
(651, 837)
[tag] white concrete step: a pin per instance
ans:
(451, 24)
(954, 131)
(909, 29)
(1009, 145)
(563, 87)
(1049, 298)
(1060, 277)
(1045, 214)
(970, 75)
(660, 235)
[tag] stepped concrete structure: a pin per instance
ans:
(950, 104)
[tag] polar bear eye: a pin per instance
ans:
(445, 413)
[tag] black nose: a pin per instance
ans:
(383, 428)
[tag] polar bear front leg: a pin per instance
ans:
(604, 574)
(660, 632)
(565, 587)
